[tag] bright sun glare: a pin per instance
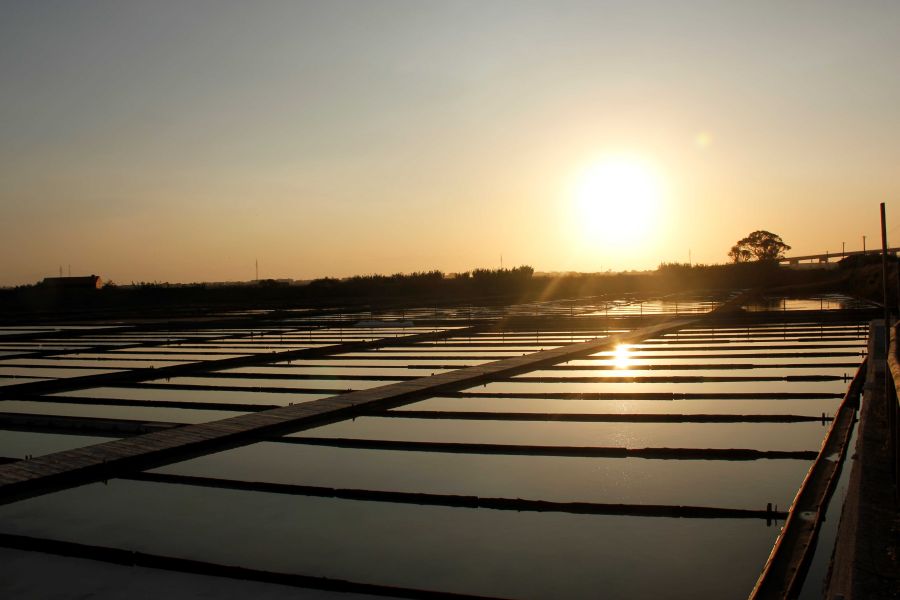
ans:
(617, 201)
(622, 356)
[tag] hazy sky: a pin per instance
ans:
(179, 141)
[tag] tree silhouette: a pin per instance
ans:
(760, 245)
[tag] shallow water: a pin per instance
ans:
(483, 551)
(741, 484)
(5, 381)
(454, 549)
(16, 444)
(688, 407)
(685, 387)
(759, 436)
(103, 411)
(217, 396)
(49, 372)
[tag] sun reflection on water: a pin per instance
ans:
(622, 356)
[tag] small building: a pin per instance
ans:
(91, 282)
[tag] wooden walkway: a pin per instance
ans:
(71, 468)
(784, 572)
(866, 559)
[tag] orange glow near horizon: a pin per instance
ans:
(606, 137)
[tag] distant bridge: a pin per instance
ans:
(828, 256)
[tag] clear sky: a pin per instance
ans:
(182, 140)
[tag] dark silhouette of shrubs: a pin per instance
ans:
(426, 288)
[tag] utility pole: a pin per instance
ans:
(884, 278)
(889, 393)
(843, 251)
(864, 244)
(257, 269)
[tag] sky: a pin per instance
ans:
(183, 141)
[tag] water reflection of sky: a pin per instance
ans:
(504, 553)
(742, 484)
(760, 436)
(810, 407)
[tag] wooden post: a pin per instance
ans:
(884, 279)
(889, 391)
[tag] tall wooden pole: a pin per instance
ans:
(889, 387)
(884, 284)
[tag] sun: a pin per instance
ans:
(617, 202)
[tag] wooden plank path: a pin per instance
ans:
(103, 461)
(866, 559)
(784, 572)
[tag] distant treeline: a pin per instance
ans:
(429, 284)
(430, 288)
